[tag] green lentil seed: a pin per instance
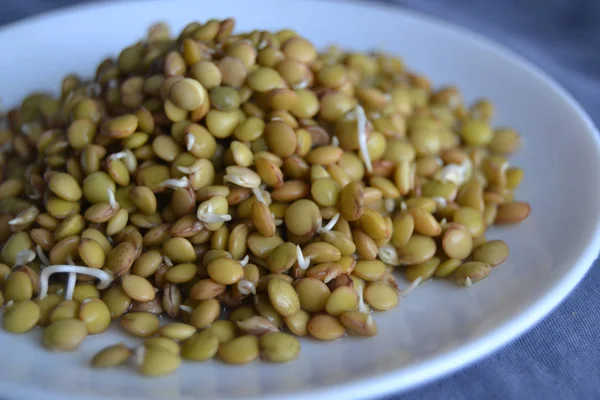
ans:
(200, 346)
(241, 350)
(65, 334)
(156, 361)
(111, 356)
(279, 347)
(21, 316)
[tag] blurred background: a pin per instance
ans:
(560, 36)
(558, 359)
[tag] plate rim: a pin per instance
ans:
(450, 361)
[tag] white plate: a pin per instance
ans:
(440, 327)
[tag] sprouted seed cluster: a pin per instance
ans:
(220, 194)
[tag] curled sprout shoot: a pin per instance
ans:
(104, 277)
(192, 169)
(16, 220)
(242, 176)
(24, 257)
(40, 253)
(361, 120)
(403, 206)
(190, 140)
(330, 276)
(186, 309)
(389, 204)
(112, 201)
(303, 262)
(25, 216)
(246, 287)
(206, 213)
(389, 255)
(330, 224)
(405, 292)
(180, 183)
(277, 220)
(468, 282)
(244, 261)
(168, 261)
(277, 119)
(439, 161)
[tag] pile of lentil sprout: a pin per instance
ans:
(220, 194)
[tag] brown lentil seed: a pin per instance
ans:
(120, 259)
(512, 213)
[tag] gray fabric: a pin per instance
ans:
(559, 358)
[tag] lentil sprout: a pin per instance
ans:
(242, 171)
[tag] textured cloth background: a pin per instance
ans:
(559, 358)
